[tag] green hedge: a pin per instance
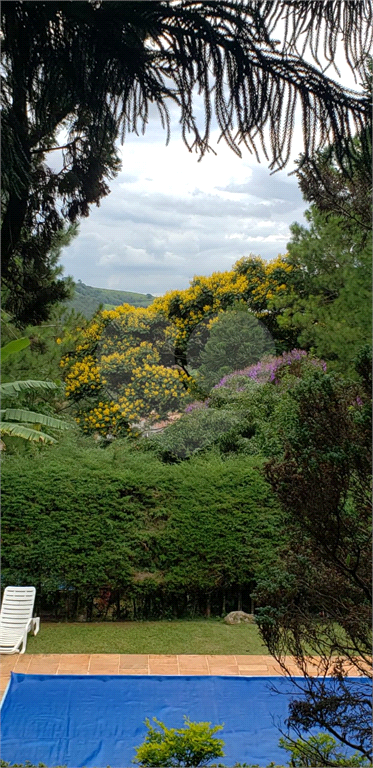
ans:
(91, 527)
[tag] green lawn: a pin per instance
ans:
(171, 637)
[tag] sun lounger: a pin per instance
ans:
(16, 619)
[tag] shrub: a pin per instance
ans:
(195, 431)
(273, 369)
(320, 750)
(246, 412)
(194, 745)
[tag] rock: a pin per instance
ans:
(236, 617)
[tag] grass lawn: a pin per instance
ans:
(169, 637)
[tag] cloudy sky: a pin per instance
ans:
(169, 217)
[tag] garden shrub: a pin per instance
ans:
(246, 412)
(196, 431)
(320, 750)
(192, 746)
(116, 533)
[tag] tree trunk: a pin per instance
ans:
(208, 606)
(15, 212)
(239, 600)
(14, 217)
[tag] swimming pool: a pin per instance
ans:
(98, 720)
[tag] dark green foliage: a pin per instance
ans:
(329, 307)
(86, 299)
(240, 416)
(332, 288)
(323, 183)
(41, 360)
(237, 340)
(32, 280)
(81, 521)
(199, 430)
(320, 592)
(363, 367)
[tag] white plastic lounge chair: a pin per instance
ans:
(16, 619)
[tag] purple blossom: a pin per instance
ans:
(196, 406)
(271, 368)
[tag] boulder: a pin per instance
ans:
(236, 617)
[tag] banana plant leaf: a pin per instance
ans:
(14, 387)
(19, 430)
(32, 417)
(14, 346)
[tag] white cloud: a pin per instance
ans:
(169, 217)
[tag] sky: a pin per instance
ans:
(169, 217)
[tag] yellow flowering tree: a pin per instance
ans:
(252, 280)
(122, 370)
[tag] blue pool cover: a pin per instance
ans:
(98, 720)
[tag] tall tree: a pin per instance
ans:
(327, 303)
(319, 600)
(92, 70)
(325, 183)
(236, 340)
(327, 300)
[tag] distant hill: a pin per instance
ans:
(87, 299)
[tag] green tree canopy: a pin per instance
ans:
(327, 300)
(329, 303)
(237, 340)
(194, 745)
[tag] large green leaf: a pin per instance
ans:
(13, 387)
(19, 430)
(13, 347)
(32, 417)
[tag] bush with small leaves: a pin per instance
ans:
(194, 745)
(320, 750)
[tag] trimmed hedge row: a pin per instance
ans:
(117, 533)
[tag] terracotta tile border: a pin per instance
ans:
(141, 664)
